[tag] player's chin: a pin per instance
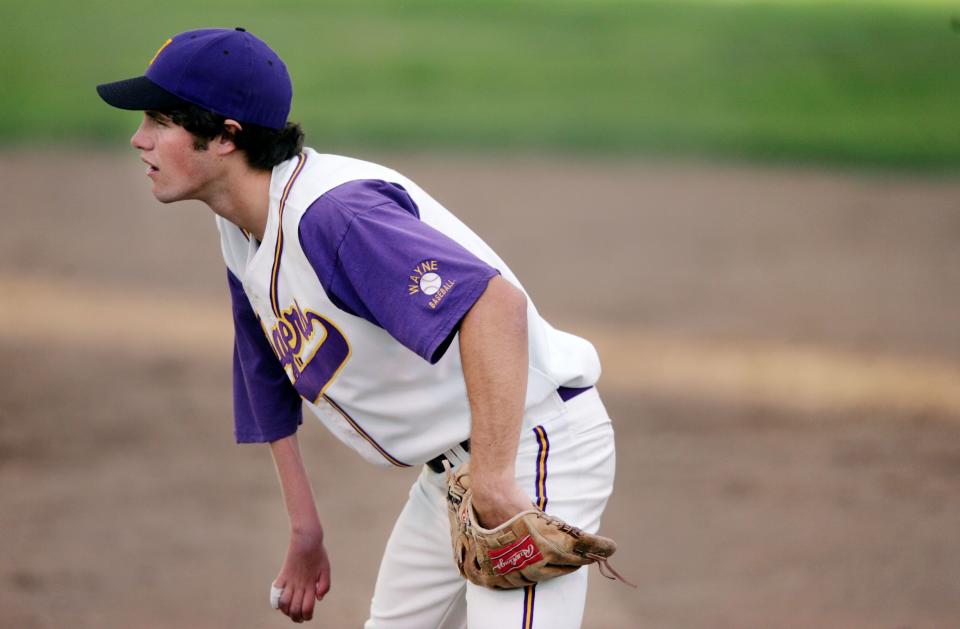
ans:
(166, 196)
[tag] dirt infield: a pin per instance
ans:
(782, 363)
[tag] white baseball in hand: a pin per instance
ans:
(430, 283)
(275, 594)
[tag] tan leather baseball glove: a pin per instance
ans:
(529, 547)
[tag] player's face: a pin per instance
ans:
(178, 170)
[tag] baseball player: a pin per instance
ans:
(361, 298)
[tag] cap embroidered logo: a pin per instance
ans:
(159, 50)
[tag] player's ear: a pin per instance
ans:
(225, 141)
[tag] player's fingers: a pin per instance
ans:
(285, 599)
(296, 605)
(309, 600)
(323, 584)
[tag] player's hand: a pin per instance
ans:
(495, 503)
(305, 576)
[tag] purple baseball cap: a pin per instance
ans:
(228, 71)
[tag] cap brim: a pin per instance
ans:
(139, 94)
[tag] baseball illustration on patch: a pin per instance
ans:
(426, 279)
(430, 283)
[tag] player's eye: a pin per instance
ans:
(157, 118)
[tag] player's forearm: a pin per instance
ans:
(297, 493)
(493, 347)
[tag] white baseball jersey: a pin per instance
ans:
(387, 380)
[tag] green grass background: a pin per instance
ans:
(872, 83)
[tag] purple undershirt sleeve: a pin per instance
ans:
(266, 407)
(377, 260)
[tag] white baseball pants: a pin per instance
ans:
(566, 463)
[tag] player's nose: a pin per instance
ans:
(140, 140)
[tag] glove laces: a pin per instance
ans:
(609, 571)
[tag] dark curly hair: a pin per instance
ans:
(264, 148)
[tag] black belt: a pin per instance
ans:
(436, 463)
(566, 394)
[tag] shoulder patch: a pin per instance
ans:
(426, 279)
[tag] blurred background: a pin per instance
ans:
(750, 207)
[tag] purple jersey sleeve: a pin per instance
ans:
(376, 259)
(266, 407)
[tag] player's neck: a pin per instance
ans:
(242, 196)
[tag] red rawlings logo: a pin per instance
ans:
(515, 556)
